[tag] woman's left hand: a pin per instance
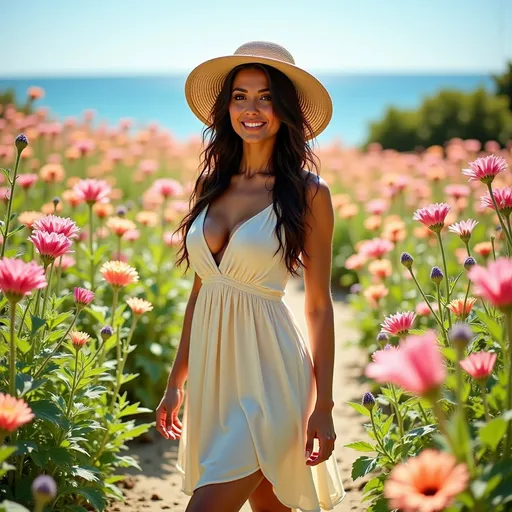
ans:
(321, 426)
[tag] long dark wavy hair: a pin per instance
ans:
(292, 155)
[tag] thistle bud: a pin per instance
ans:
(368, 401)
(406, 260)
(436, 275)
(21, 142)
(460, 335)
(469, 263)
(106, 332)
(382, 337)
(44, 489)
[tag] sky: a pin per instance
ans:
(100, 37)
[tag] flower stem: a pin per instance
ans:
(500, 217)
(72, 392)
(425, 298)
(46, 291)
(466, 297)
(9, 204)
(508, 317)
(399, 418)
(91, 245)
(484, 402)
(379, 441)
(441, 312)
(12, 358)
(447, 280)
(423, 413)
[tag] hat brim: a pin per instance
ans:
(205, 81)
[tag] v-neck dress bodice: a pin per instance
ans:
(250, 387)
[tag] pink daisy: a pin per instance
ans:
(485, 169)
(433, 216)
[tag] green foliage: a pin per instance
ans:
(503, 84)
(448, 114)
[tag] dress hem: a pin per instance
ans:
(244, 475)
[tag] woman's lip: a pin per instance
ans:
(261, 124)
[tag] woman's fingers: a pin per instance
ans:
(326, 448)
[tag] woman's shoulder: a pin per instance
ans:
(316, 187)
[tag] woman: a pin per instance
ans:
(257, 394)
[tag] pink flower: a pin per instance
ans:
(485, 169)
(65, 262)
(118, 273)
(83, 297)
(167, 187)
(50, 245)
(479, 365)
(92, 190)
(26, 181)
(422, 308)
(433, 216)
(398, 324)
(148, 167)
(376, 248)
(503, 198)
(18, 278)
(55, 224)
(457, 191)
(13, 413)
(377, 206)
(494, 282)
(79, 339)
(464, 228)
(172, 239)
(417, 366)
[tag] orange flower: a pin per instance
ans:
(380, 268)
(139, 306)
(71, 198)
(373, 223)
(375, 293)
(147, 218)
(456, 306)
(103, 210)
(119, 273)
(28, 218)
(428, 482)
(120, 226)
(79, 339)
(52, 173)
(348, 211)
(35, 93)
(13, 413)
(483, 249)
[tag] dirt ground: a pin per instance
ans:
(158, 486)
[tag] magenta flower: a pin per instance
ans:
(59, 225)
(376, 248)
(503, 198)
(27, 180)
(464, 228)
(485, 169)
(494, 282)
(417, 366)
(83, 297)
(479, 365)
(398, 324)
(433, 216)
(50, 245)
(18, 278)
(456, 191)
(167, 187)
(92, 191)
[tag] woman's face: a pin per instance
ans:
(250, 109)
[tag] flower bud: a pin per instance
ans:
(106, 332)
(21, 142)
(368, 401)
(406, 260)
(460, 335)
(56, 201)
(44, 489)
(121, 211)
(382, 337)
(469, 263)
(436, 275)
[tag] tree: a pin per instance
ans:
(504, 84)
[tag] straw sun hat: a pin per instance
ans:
(204, 82)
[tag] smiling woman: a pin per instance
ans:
(258, 395)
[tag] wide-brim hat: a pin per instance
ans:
(205, 81)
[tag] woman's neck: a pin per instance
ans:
(256, 158)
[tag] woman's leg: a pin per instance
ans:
(263, 499)
(225, 497)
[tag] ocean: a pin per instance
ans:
(358, 99)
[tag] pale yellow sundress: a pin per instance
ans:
(250, 387)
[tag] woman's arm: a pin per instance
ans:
(320, 318)
(179, 372)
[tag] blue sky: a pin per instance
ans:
(58, 37)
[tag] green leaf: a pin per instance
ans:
(381, 505)
(421, 431)
(362, 466)
(361, 446)
(492, 433)
(6, 452)
(359, 408)
(86, 474)
(93, 496)
(23, 345)
(46, 410)
(60, 456)
(495, 330)
(37, 323)
(134, 432)
(387, 425)
(11, 506)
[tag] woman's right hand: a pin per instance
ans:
(167, 421)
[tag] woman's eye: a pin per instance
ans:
(238, 97)
(266, 98)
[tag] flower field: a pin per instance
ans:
(92, 306)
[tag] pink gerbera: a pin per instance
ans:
(167, 187)
(13, 413)
(479, 365)
(433, 216)
(494, 282)
(464, 228)
(376, 248)
(50, 245)
(503, 198)
(18, 278)
(92, 190)
(54, 224)
(399, 324)
(27, 180)
(485, 169)
(83, 297)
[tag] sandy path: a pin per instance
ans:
(158, 487)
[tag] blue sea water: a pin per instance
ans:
(357, 99)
